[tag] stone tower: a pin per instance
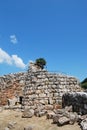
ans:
(43, 88)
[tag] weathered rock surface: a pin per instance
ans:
(12, 102)
(78, 100)
(63, 121)
(50, 115)
(28, 113)
(84, 124)
(11, 86)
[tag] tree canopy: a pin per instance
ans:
(41, 62)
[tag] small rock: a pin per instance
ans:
(68, 108)
(59, 111)
(55, 119)
(28, 113)
(12, 102)
(42, 113)
(84, 124)
(28, 128)
(11, 125)
(57, 106)
(63, 121)
(72, 117)
(50, 115)
(42, 102)
(48, 107)
(37, 111)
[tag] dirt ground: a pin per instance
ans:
(38, 123)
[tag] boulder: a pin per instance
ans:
(72, 118)
(68, 108)
(48, 107)
(50, 115)
(78, 101)
(55, 119)
(84, 124)
(12, 102)
(28, 113)
(63, 121)
(41, 113)
(59, 111)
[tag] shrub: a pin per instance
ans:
(41, 62)
(84, 84)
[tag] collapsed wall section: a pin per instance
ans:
(11, 85)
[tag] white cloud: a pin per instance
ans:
(18, 61)
(13, 39)
(4, 57)
(11, 60)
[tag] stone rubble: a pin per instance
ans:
(63, 117)
(78, 101)
(60, 117)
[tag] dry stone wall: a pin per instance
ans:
(11, 85)
(45, 88)
(36, 86)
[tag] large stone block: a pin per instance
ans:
(63, 120)
(50, 101)
(78, 100)
(84, 124)
(42, 95)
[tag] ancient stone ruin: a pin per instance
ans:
(44, 88)
(43, 93)
(36, 86)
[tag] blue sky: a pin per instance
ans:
(55, 30)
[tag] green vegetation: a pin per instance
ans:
(41, 62)
(84, 83)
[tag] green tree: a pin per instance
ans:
(41, 62)
(84, 83)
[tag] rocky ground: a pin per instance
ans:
(13, 119)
